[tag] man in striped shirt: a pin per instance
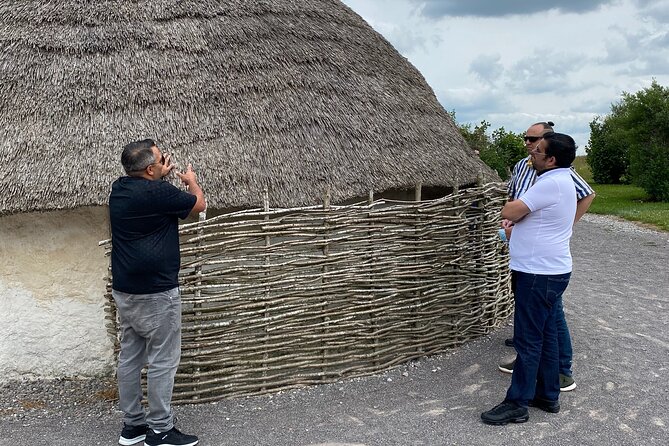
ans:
(522, 178)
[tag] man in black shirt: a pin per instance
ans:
(144, 213)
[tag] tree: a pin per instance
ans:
(633, 141)
(500, 152)
(607, 152)
(645, 115)
(509, 146)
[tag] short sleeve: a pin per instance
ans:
(583, 189)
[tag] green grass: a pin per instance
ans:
(625, 201)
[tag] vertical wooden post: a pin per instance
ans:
(417, 231)
(326, 252)
(370, 286)
(202, 216)
(268, 242)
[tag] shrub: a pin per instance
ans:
(607, 153)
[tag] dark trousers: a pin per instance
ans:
(564, 341)
(536, 372)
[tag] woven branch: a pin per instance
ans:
(275, 299)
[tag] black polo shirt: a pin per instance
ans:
(145, 239)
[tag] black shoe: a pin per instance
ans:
(507, 366)
(508, 342)
(545, 405)
(132, 434)
(170, 438)
(506, 412)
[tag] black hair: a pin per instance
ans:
(137, 156)
(562, 147)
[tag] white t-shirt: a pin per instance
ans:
(540, 241)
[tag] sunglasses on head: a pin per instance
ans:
(532, 138)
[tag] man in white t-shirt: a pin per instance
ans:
(523, 177)
(541, 267)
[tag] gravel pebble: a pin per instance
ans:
(72, 398)
(618, 224)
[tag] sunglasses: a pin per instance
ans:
(532, 138)
(162, 161)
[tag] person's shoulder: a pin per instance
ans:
(122, 183)
(521, 166)
(521, 163)
(560, 175)
(164, 189)
(164, 185)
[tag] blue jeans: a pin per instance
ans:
(150, 333)
(564, 341)
(536, 372)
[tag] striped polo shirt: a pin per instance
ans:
(524, 176)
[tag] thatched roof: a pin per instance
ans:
(284, 94)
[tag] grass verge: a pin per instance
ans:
(625, 201)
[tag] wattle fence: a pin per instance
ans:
(282, 298)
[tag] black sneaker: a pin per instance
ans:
(506, 412)
(545, 405)
(508, 342)
(170, 438)
(132, 434)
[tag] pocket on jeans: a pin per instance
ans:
(173, 306)
(556, 285)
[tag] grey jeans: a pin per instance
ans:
(150, 334)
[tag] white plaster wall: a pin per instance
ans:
(52, 295)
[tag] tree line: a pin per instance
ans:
(630, 145)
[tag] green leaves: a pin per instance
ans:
(632, 142)
(500, 151)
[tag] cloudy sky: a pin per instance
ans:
(516, 62)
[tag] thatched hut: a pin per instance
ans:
(295, 98)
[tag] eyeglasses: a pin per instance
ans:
(532, 138)
(162, 161)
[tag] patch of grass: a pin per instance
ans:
(581, 166)
(624, 200)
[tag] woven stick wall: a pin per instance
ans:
(281, 298)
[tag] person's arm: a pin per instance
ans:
(582, 206)
(584, 194)
(190, 181)
(515, 210)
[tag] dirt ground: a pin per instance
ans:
(617, 305)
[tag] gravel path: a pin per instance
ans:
(617, 305)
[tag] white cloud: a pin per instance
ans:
(487, 67)
(513, 63)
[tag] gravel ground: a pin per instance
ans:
(70, 398)
(617, 306)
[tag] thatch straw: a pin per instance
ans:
(292, 96)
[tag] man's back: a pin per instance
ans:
(145, 242)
